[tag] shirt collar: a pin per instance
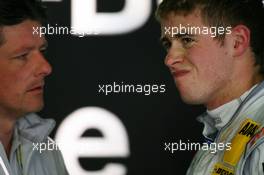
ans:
(215, 119)
(34, 128)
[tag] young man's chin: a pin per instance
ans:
(191, 100)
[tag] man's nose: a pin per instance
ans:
(44, 68)
(174, 56)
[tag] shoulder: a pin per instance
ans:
(254, 163)
(34, 128)
(50, 156)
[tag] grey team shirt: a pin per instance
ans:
(216, 119)
(24, 159)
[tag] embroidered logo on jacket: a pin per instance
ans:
(239, 142)
(249, 129)
(220, 169)
(256, 137)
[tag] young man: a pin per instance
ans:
(215, 54)
(23, 69)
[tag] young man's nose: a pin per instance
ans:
(173, 57)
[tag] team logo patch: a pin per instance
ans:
(255, 138)
(239, 142)
(220, 169)
(249, 129)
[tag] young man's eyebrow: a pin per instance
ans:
(181, 35)
(177, 36)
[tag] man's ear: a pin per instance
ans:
(241, 40)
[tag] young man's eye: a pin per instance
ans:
(187, 40)
(44, 52)
(166, 45)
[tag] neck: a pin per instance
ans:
(235, 90)
(6, 133)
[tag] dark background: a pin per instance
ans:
(81, 64)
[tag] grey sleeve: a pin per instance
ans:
(61, 168)
(255, 163)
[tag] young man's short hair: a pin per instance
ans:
(224, 13)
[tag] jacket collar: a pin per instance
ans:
(34, 128)
(215, 119)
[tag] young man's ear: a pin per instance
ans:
(241, 40)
